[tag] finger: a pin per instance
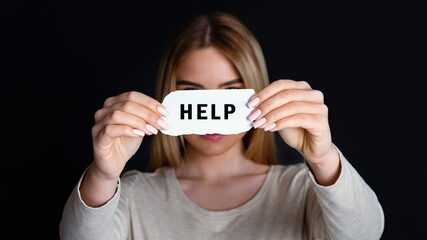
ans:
(274, 88)
(290, 109)
(311, 122)
(101, 113)
(153, 118)
(118, 117)
(284, 97)
(139, 98)
(112, 131)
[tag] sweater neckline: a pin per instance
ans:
(176, 187)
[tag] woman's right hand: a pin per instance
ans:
(119, 129)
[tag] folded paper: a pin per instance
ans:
(208, 111)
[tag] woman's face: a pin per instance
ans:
(208, 68)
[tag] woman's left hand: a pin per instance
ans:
(300, 116)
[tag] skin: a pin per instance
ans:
(215, 175)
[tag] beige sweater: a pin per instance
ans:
(289, 205)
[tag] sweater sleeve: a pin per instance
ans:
(348, 209)
(79, 221)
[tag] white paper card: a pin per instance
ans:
(208, 111)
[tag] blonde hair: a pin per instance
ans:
(227, 34)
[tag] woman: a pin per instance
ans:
(216, 186)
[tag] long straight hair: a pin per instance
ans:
(227, 34)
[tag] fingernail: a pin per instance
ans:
(162, 111)
(254, 115)
(151, 129)
(138, 132)
(269, 127)
(259, 122)
(163, 124)
(252, 103)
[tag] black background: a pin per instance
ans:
(61, 59)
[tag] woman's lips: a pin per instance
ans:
(212, 137)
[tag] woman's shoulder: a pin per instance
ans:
(289, 169)
(294, 173)
(138, 178)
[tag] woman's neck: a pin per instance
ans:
(215, 168)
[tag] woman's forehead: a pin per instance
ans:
(206, 66)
